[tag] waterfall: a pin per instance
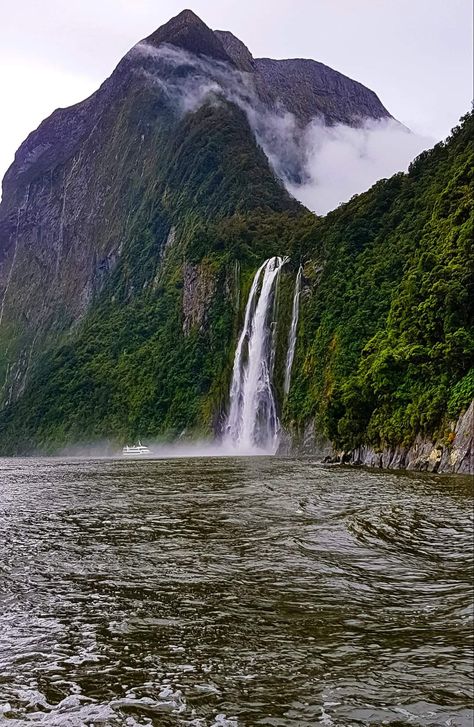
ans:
(253, 421)
(292, 334)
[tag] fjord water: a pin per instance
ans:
(233, 591)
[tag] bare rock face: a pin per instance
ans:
(306, 88)
(459, 455)
(310, 89)
(199, 287)
(187, 31)
(455, 456)
(237, 50)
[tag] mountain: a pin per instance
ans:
(132, 224)
(188, 32)
(306, 88)
(91, 173)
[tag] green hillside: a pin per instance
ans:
(385, 339)
(129, 369)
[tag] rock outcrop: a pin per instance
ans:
(451, 454)
(187, 31)
(310, 89)
(199, 287)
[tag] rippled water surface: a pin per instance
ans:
(236, 592)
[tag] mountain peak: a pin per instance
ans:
(186, 30)
(188, 16)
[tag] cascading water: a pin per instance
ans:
(292, 334)
(253, 421)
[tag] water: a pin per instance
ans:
(251, 591)
(292, 334)
(253, 420)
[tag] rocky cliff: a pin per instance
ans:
(306, 88)
(452, 453)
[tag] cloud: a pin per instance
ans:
(321, 166)
(422, 66)
(342, 161)
(188, 82)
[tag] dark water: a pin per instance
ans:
(233, 592)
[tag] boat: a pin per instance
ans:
(135, 451)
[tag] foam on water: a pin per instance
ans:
(30, 707)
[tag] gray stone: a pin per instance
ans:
(428, 455)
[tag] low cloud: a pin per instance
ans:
(189, 81)
(342, 161)
(320, 166)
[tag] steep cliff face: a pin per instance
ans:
(199, 287)
(306, 88)
(237, 50)
(451, 453)
(62, 219)
(188, 32)
(309, 89)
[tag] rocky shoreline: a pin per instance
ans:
(451, 455)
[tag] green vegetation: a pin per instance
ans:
(387, 336)
(385, 339)
(209, 203)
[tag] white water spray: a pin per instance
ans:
(253, 422)
(292, 334)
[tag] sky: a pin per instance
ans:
(415, 54)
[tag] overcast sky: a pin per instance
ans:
(415, 54)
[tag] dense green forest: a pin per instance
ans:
(385, 340)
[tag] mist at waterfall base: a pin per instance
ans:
(181, 448)
(252, 426)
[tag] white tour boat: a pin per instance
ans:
(136, 450)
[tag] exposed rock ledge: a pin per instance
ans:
(199, 286)
(429, 455)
